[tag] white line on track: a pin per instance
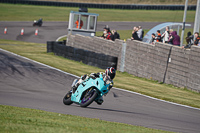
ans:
(113, 88)
(60, 37)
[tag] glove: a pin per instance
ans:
(92, 76)
(84, 77)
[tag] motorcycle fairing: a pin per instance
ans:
(97, 83)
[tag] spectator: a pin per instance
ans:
(135, 35)
(108, 29)
(165, 35)
(153, 39)
(197, 38)
(174, 39)
(170, 31)
(158, 38)
(114, 35)
(170, 36)
(189, 40)
(106, 34)
(77, 24)
(140, 32)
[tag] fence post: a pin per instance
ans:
(123, 54)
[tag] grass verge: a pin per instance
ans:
(123, 80)
(15, 119)
(11, 12)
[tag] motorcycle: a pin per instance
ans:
(87, 92)
(39, 22)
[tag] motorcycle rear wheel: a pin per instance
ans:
(67, 99)
(88, 98)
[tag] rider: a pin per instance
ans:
(108, 77)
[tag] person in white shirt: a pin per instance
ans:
(165, 35)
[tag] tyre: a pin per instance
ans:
(67, 99)
(89, 96)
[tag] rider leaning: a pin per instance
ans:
(108, 77)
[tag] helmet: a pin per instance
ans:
(110, 71)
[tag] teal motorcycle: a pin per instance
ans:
(87, 92)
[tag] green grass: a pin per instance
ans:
(123, 80)
(10, 12)
(15, 119)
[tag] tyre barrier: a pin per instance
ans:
(101, 6)
(87, 57)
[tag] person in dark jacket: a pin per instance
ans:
(153, 39)
(114, 35)
(189, 40)
(158, 37)
(106, 34)
(175, 39)
(135, 35)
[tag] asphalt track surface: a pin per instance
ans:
(50, 31)
(24, 83)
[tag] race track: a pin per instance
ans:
(24, 83)
(50, 31)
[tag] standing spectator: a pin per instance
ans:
(197, 38)
(106, 34)
(135, 35)
(153, 39)
(140, 32)
(158, 38)
(170, 36)
(77, 24)
(189, 40)
(175, 39)
(114, 35)
(165, 35)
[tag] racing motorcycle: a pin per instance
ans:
(38, 23)
(87, 92)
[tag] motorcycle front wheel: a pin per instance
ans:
(89, 97)
(67, 99)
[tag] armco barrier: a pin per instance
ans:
(87, 57)
(109, 6)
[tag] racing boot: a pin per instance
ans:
(99, 101)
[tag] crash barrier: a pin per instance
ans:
(162, 62)
(85, 56)
(109, 6)
(97, 44)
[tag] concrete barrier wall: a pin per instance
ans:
(177, 71)
(162, 62)
(193, 81)
(146, 60)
